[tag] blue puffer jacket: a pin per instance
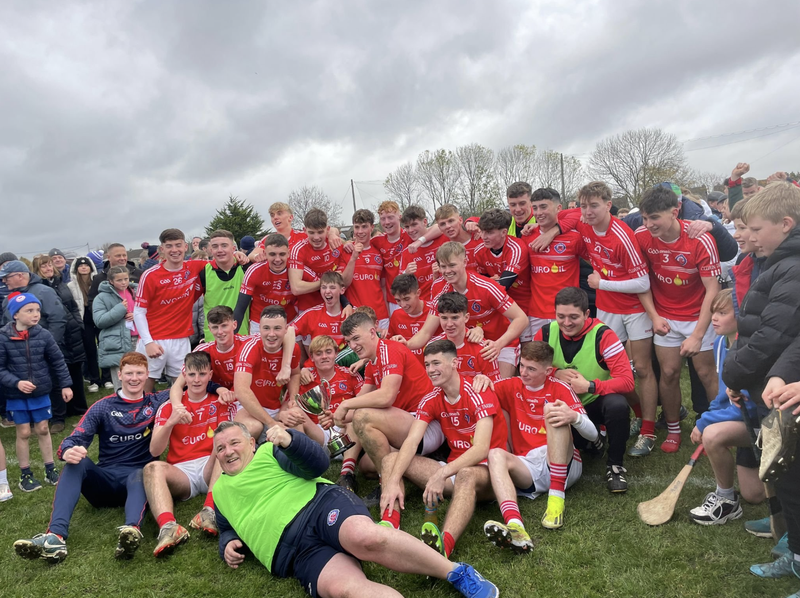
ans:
(30, 359)
(108, 311)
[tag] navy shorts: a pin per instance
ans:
(29, 411)
(320, 542)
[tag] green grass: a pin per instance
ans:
(603, 550)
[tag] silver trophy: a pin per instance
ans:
(316, 401)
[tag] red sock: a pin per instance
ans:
(558, 479)
(348, 466)
(648, 427)
(637, 410)
(164, 519)
(510, 510)
(209, 501)
(394, 518)
(449, 543)
(56, 535)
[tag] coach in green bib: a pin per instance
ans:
(591, 359)
(222, 278)
(273, 502)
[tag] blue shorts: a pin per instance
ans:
(29, 411)
(320, 542)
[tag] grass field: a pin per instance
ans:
(603, 550)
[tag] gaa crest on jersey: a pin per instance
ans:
(378, 260)
(335, 252)
(559, 247)
(212, 410)
(342, 386)
(148, 411)
(471, 363)
(333, 517)
(466, 417)
(681, 259)
(476, 307)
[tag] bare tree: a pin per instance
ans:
(303, 199)
(478, 189)
(634, 161)
(438, 176)
(696, 179)
(402, 186)
(516, 163)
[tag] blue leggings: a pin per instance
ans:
(103, 487)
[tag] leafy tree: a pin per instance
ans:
(238, 217)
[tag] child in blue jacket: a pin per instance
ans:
(721, 428)
(28, 353)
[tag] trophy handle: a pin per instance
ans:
(326, 393)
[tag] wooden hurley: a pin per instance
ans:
(660, 509)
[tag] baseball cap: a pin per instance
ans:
(11, 267)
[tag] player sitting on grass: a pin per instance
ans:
(540, 410)
(453, 317)
(28, 355)
(720, 428)
(123, 423)
(472, 426)
(273, 503)
(188, 429)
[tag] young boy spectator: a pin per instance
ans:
(769, 323)
(540, 410)
(684, 279)
(722, 427)
(28, 354)
(188, 430)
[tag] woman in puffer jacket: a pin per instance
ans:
(112, 311)
(81, 273)
(71, 345)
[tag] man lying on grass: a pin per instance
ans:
(273, 502)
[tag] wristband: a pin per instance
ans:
(422, 239)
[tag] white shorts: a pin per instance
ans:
(680, 331)
(536, 462)
(534, 326)
(271, 412)
(433, 439)
(194, 471)
(255, 328)
(383, 324)
(509, 355)
(628, 327)
(393, 307)
(171, 360)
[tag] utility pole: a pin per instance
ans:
(563, 194)
(353, 190)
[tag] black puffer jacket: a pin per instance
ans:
(72, 344)
(36, 359)
(769, 320)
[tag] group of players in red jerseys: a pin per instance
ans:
(459, 356)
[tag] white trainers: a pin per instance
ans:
(108, 385)
(92, 388)
(5, 493)
(716, 510)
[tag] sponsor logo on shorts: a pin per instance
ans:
(333, 517)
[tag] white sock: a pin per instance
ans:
(3, 477)
(726, 493)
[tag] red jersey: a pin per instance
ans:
(223, 364)
(390, 254)
(401, 324)
(192, 441)
(525, 408)
(343, 385)
(458, 420)
(395, 358)
(513, 257)
(264, 366)
(365, 288)
(487, 302)
(316, 322)
(424, 258)
(551, 270)
(268, 288)
(470, 362)
(318, 261)
(168, 298)
(295, 236)
(676, 269)
(471, 247)
(615, 255)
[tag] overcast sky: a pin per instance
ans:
(120, 119)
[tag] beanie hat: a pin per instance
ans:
(6, 256)
(96, 256)
(82, 261)
(248, 243)
(152, 250)
(55, 251)
(17, 301)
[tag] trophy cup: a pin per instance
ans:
(316, 401)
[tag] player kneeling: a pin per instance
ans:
(541, 410)
(472, 425)
(188, 429)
